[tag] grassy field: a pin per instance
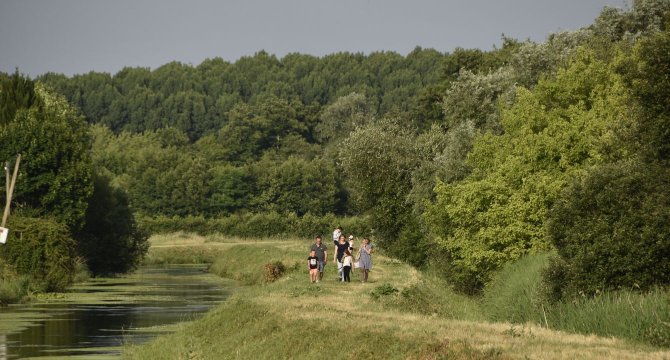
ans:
(400, 314)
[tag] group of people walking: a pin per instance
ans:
(342, 256)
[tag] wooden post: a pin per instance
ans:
(10, 190)
(7, 172)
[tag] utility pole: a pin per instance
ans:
(11, 181)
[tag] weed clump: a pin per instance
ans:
(384, 289)
(273, 271)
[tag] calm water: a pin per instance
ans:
(104, 314)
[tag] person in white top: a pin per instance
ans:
(336, 235)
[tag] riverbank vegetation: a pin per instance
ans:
(67, 219)
(402, 313)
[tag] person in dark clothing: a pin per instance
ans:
(321, 253)
(347, 263)
(342, 246)
(313, 265)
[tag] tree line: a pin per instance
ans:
(459, 162)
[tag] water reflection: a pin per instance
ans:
(115, 315)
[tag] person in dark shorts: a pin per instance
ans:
(321, 253)
(313, 265)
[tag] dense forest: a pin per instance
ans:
(457, 162)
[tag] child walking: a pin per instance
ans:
(313, 265)
(347, 263)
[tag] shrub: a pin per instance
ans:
(273, 271)
(612, 230)
(384, 289)
(42, 249)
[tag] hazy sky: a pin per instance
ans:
(77, 36)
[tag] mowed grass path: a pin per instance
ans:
(293, 319)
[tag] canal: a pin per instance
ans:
(96, 318)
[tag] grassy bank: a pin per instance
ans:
(400, 314)
(516, 296)
(13, 287)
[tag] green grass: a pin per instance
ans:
(187, 248)
(13, 287)
(400, 314)
(516, 295)
(624, 314)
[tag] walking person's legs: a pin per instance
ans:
(347, 270)
(321, 266)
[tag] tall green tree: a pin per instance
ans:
(16, 92)
(378, 161)
(110, 240)
(56, 171)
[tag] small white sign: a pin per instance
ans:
(3, 235)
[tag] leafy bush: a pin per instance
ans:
(42, 249)
(612, 231)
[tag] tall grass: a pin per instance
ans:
(516, 295)
(625, 314)
(13, 287)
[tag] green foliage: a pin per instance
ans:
(378, 160)
(201, 100)
(251, 130)
(645, 73)
(157, 170)
(612, 230)
(497, 214)
(231, 189)
(609, 225)
(16, 92)
(646, 16)
(474, 98)
(297, 185)
(110, 241)
(42, 249)
(342, 117)
(55, 175)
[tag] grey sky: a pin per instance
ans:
(77, 36)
